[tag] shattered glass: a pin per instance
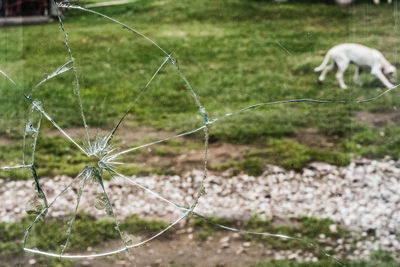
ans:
(103, 156)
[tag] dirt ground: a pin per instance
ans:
(182, 248)
(378, 120)
(188, 153)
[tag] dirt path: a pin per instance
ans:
(180, 248)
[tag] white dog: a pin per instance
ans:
(364, 57)
(377, 1)
(348, 2)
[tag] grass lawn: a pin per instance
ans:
(235, 53)
(99, 234)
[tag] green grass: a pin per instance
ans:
(204, 229)
(306, 228)
(286, 153)
(231, 52)
(57, 156)
(87, 232)
(378, 258)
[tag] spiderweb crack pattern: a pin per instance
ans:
(102, 149)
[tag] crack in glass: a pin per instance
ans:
(104, 155)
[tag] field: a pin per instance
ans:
(234, 53)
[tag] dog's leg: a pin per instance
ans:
(325, 71)
(357, 76)
(378, 73)
(342, 66)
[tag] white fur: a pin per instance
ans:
(364, 57)
(377, 1)
(348, 2)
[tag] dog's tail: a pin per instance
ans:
(324, 63)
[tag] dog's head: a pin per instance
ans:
(390, 73)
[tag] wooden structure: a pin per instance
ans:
(21, 8)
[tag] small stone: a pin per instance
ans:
(32, 261)
(240, 250)
(225, 245)
(236, 235)
(224, 239)
(180, 231)
(308, 172)
(229, 172)
(246, 244)
(333, 228)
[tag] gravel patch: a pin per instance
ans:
(363, 196)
